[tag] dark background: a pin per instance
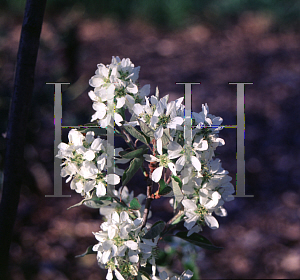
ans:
(212, 42)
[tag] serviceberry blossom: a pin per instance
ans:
(119, 80)
(163, 162)
(85, 163)
(189, 173)
(121, 244)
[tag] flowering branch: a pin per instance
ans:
(184, 170)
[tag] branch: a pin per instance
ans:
(17, 122)
(148, 200)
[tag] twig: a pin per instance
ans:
(148, 200)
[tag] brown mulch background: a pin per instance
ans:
(261, 235)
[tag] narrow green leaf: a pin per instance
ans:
(98, 202)
(77, 204)
(155, 230)
(176, 190)
(135, 153)
(146, 129)
(134, 166)
(88, 251)
(135, 133)
(163, 188)
(124, 176)
(198, 240)
(178, 219)
(134, 204)
(142, 275)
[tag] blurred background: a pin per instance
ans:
(213, 42)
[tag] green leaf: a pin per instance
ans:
(134, 204)
(146, 129)
(163, 188)
(155, 230)
(176, 190)
(178, 219)
(178, 180)
(135, 133)
(88, 251)
(77, 204)
(142, 275)
(98, 202)
(165, 138)
(198, 240)
(134, 166)
(135, 153)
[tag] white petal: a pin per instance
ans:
(156, 175)
(109, 275)
(89, 185)
(118, 119)
(124, 216)
(96, 81)
(172, 168)
(133, 256)
(211, 221)
(145, 90)
(115, 217)
(189, 204)
(159, 146)
(97, 144)
(118, 275)
(100, 190)
(132, 88)
(159, 109)
(113, 179)
(105, 257)
(89, 155)
(120, 102)
(159, 132)
(174, 122)
(150, 158)
(189, 223)
(138, 109)
(174, 146)
(196, 229)
(180, 163)
(92, 95)
(131, 244)
(196, 163)
(111, 232)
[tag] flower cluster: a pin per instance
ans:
(185, 170)
(121, 246)
(120, 80)
(85, 163)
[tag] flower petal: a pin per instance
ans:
(159, 146)
(172, 168)
(196, 163)
(158, 132)
(211, 221)
(156, 175)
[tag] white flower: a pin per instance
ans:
(195, 212)
(177, 151)
(75, 137)
(165, 116)
(164, 162)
